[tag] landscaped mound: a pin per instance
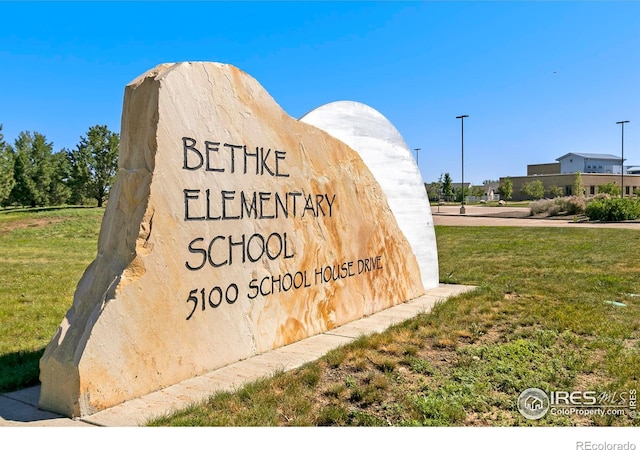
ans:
(602, 208)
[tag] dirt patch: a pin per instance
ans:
(27, 223)
(520, 213)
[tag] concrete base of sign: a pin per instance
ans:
(21, 408)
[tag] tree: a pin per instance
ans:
(447, 188)
(94, 164)
(59, 190)
(477, 191)
(34, 171)
(458, 196)
(505, 189)
(6, 169)
(533, 189)
(578, 187)
(610, 188)
(434, 189)
(554, 191)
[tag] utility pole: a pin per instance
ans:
(462, 210)
(622, 164)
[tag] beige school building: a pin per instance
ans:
(595, 169)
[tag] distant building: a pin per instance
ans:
(590, 163)
(543, 169)
(457, 186)
(488, 191)
(632, 170)
(491, 191)
(595, 168)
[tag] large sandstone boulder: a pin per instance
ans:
(232, 229)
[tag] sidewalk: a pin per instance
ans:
(509, 216)
(512, 212)
(19, 409)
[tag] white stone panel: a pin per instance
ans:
(388, 157)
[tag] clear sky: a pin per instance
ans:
(537, 79)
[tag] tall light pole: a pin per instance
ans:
(622, 122)
(417, 150)
(462, 210)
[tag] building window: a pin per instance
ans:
(626, 190)
(592, 190)
(567, 190)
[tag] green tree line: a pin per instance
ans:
(32, 174)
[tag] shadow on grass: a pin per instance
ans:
(19, 370)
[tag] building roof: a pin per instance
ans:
(604, 156)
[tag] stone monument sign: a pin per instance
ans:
(232, 229)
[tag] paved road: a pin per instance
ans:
(493, 216)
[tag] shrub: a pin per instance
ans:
(558, 206)
(571, 205)
(540, 206)
(610, 188)
(596, 210)
(554, 191)
(555, 209)
(613, 209)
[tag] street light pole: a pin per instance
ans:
(417, 150)
(622, 122)
(462, 210)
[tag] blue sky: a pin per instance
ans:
(537, 79)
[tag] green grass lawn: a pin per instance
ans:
(545, 315)
(43, 253)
